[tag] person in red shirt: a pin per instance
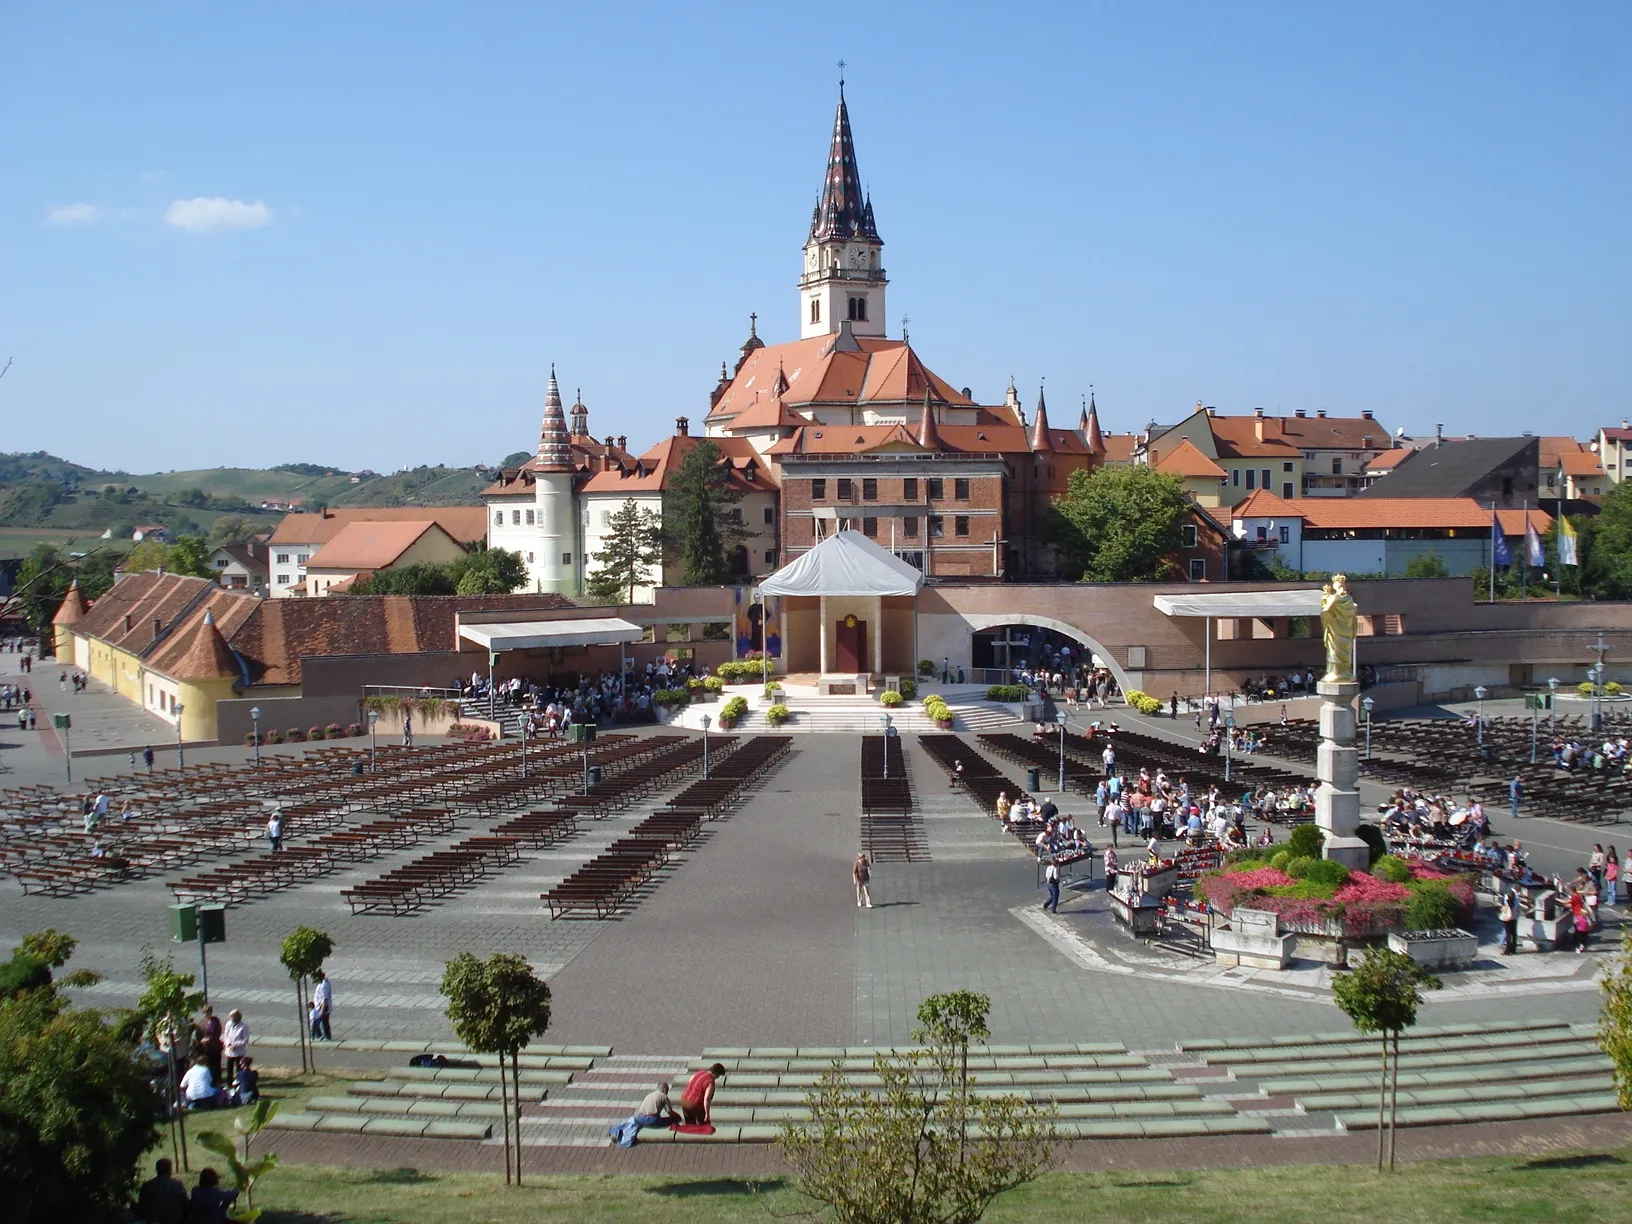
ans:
(698, 1097)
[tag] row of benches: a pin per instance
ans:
(438, 874)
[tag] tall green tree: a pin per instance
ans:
(699, 517)
(1615, 1019)
(1382, 996)
(1118, 524)
(497, 1006)
(489, 571)
(901, 1152)
(230, 529)
(421, 578)
(77, 1113)
(167, 1005)
(632, 546)
(190, 555)
(1608, 555)
(1426, 565)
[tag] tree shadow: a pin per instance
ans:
(398, 1177)
(302, 1217)
(717, 1186)
(1585, 1160)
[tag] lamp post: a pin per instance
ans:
(705, 720)
(1365, 704)
(255, 718)
(884, 724)
(1479, 691)
(1597, 674)
(1060, 718)
(524, 748)
(373, 744)
(1229, 738)
(181, 751)
(1552, 707)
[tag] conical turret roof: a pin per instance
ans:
(205, 654)
(554, 443)
(1090, 429)
(73, 608)
(928, 436)
(844, 210)
(1040, 441)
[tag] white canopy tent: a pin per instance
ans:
(847, 563)
(530, 635)
(1256, 604)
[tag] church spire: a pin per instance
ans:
(928, 436)
(554, 443)
(1040, 441)
(844, 210)
(1091, 436)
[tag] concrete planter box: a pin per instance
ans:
(1546, 934)
(1253, 940)
(1453, 949)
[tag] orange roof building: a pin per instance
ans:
(364, 548)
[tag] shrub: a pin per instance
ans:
(1250, 855)
(926, 667)
(249, 739)
(296, 736)
(1143, 702)
(696, 682)
(777, 714)
(354, 729)
(314, 734)
(677, 696)
(1584, 688)
(1613, 688)
(1280, 859)
(334, 731)
(735, 671)
(1392, 869)
(1326, 871)
(1431, 907)
(772, 689)
(1307, 841)
(1007, 692)
(1298, 866)
(1373, 837)
(909, 688)
(889, 699)
(274, 737)
(713, 684)
(937, 708)
(735, 708)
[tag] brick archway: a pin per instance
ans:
(980, 622)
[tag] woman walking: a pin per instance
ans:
(1509, 915)
(1612, 875)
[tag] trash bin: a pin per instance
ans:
(594, 776)
(1034, 779)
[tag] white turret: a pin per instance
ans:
(553, 569)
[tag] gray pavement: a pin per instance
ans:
(751, 937)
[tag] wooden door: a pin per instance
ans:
(850, 642)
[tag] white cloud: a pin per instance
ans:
(73, 214)
(216, 215)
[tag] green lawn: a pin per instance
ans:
(1595, 1186)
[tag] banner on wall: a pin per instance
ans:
(746, 614)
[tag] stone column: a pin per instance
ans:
(1337, 801)
(878, 634)
(821, 605)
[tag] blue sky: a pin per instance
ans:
(359, 233)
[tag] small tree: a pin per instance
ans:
(245, 1172)
(497, 1006)
(167, 1004)
(633, 544)
(77, 1112)
(304, 951)
(1615, 1020)
(1426, 565)
(902, 1153)
(1382, 996)
(1118, 524)
(489, 571)
(696, 521)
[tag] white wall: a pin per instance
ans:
(285, 576)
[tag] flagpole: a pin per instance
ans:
(1494, 528)
(1524, 570)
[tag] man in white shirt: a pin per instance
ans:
(323, 1004)
(1052, 874)
(198, 1087)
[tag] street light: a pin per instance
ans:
(1060, 718)
(181, 752)
(1552, 707)
(884, 722)
(255, 718)
(373, 745)
(1229, 738)
(1365, 704)
(524, 738)
(706, 720)
(1597, 674)
(1479, 691)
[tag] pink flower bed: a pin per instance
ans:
(1262, 877)
(1363, 887)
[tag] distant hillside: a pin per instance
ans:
(43, 491)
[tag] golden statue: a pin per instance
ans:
(1337, 623)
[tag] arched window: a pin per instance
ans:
(858, 310)
(815, 310)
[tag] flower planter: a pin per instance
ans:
(1448, 949)
(945, 724)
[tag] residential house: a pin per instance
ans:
(299, 536)
(241, 567)
(1505, 472)
(364, 548)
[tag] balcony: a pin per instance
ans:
(875, 275)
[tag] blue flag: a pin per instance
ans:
(1498, 542)
(1534, 554)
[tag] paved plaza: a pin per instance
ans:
(752, 936)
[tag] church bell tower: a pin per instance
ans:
(843, 279)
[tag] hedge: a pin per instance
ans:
(1143, 702)
(1007, 692)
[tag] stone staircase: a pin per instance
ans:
(859, 715)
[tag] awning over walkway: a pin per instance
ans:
(530, 635)
(1241, 603)
(845, 564)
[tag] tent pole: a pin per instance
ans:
(1207, 683)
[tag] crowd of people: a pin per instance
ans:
(1571, 754)
(602, 697)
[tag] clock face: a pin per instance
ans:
(857, 257)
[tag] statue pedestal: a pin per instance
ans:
(1337, 765)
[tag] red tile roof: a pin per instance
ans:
(199, 652)
(372, 546)
(954, 439)
(1384, 461)
(467, 524)
(1186, 460)
(817, 370)
(1338, 513)
(1237, 438)
(72, 610)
